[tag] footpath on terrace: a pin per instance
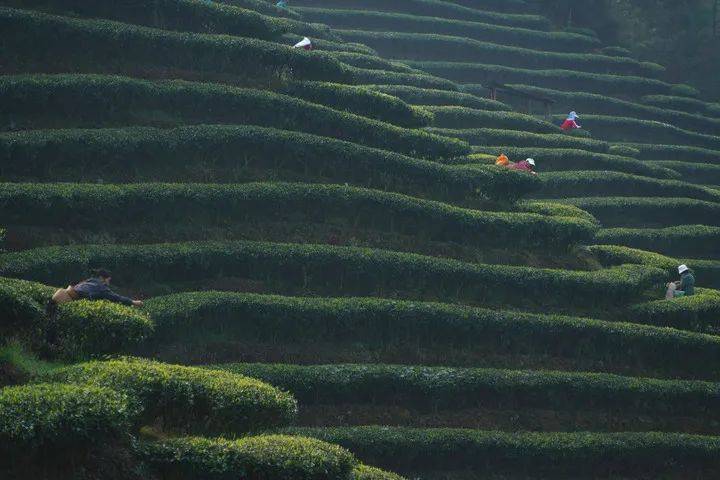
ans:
(336, 279)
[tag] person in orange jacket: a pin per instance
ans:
(502, 160)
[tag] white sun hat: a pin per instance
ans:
(531, 161)
(682, 268)
(573, 115)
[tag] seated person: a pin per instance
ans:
(684, 287)
(527, 165)
(570, 123)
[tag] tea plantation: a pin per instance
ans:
(338, 281)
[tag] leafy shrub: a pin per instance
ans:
(240, 154)
(374, 321)
(42, 42)
(348, 271)
(182, 15)
(428, 96)
(188, 398)
(203, 204)
(684, 90)
(103, 100)
(576, 184)
(491, 32)
(462, 117)
(681, 241)
(363, 472)
(702, 173)
(492, 136)
(624, 151)
(278, 457)
(442, 388)
(616, 51)
(86, 329)
(260, 6)
(561, 454)
(685, 153)
(17, 309)
(699, 312)
(431, 47)
(56, 417)
(373, 62)
(435, 8)
(382, 77)
(690, 105)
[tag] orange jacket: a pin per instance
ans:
(502, 160)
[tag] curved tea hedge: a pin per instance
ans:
(84, 329)
(428, 47)
(463, 117)
(436, 388)
(260, 6)
(373, 62)
(605, 454)
(240, 154)
(523, 139)
(363, 472)
(19, 310)
(349, 271)
(685, 104)
(608, 346)
(434, 8)
(187, 398)
(279, 457)
(648, 211)
(429, 96)
(489, 32)
(581, 183)
(40, 42)
(685, 153)
(680, 241)
(699, 313)
(56, 417)
(154, 204)
(108, 101)
(701, 173)
(363, 76)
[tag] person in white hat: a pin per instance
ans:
(571, 122)
(684, 287)
(527, 165)
(305, 43)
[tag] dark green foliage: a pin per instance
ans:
(490, 32)
(523, 139)
(54, 418)
(267, 8)
(372, 62)
(430, 47)
(681, 241)
(441, 388)
(684, 104)
(346, 271)
(375, 321)
(654, 151)
(433, 8)
(381, 77)
(702, 173)
(19, 311)
(463, 117)
(188, 398)
(427, 96)
(239, 154)
(86, 329)
(648, 212)
(616, 51)
(700, 312)
(596, 183)
(277, 457)
(181, 15)
(557, 454)
(363, 472)
(108, 101)
(38, 42)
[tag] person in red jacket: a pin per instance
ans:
(525, 166)
(570, 123)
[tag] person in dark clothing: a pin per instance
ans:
(94, 288)
(685, 287)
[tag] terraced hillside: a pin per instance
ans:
(338, 282)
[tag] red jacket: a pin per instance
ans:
(569, 124)
(524, 165)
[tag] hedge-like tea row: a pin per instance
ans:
(596, 183)
(109, 101)
(260, 6)
(279, 457)
(463, 117)
(684, 153)
(363, 472)
(699, 313)
(409, 450)
(431, 47)
(647, 211)
(690, 105)
(701, 173)
(179, 15)
(381, 77)
(507, 6)
(38, 42)
(455, 388)
(623, 129)
(57, 417)
(85, 329)
(21, 304)
(149, 205)
(239, 154)
(347, 271)
(566, 159)
(522, 139)
(331, 47)
(373, 62)
(476, 73)
(604, 105)
(359, 100)
(433, 8)
(373, 321)
(553, 210)
(187, 398)
(426, 96)
(681, 241)
(489, 32)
